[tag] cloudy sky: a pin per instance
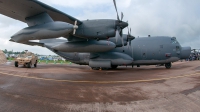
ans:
(179, 18)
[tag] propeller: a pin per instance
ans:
(129, 39)
(129, 36)
(116, 9)
(75, 27)
(120, 25)
(119, 36)
(122, 16)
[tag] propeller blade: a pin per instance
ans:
(132, 51)
(122, 16)
(128, 45)
(128, 32)
(75, 23)
(121, 32)
(74, 31)
(75, 27)
(116, 10)
(117, 36)
(122, 41)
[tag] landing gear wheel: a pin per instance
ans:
(29, 65)
(168, 65)
(114, 66)
(104, 68)
(16, 64)
(95, 68)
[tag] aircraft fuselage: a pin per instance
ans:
(143, 51)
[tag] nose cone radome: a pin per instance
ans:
(185, 52)
(121, 24)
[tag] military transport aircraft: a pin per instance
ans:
(98, 43)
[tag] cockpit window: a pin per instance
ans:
(173, 40)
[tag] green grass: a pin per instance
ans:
(11, 59)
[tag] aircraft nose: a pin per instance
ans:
(185, 52)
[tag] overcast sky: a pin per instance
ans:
(179, 18)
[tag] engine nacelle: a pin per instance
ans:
(118, 41)
(185, 52)
(85, 46)
(43, 31)
(97, 29)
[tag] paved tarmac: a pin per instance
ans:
(78, 88)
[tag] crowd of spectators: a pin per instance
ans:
(194, 56)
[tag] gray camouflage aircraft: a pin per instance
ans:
(98, 43)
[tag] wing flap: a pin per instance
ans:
(21, 9)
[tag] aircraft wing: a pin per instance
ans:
(21, 9)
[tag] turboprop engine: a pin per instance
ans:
(99, 29)
(126, 40)
(85, 46)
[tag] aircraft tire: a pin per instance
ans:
(114, 66)
(104, 68)
(168, 65)
(95, 68)
(16, 64)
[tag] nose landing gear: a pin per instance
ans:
(168, 65)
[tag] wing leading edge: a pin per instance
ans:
(22, 9)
